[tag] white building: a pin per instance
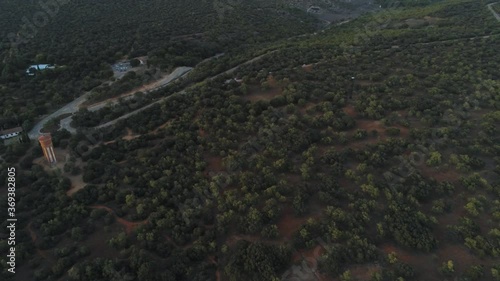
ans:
(10, 133)
(38, 67)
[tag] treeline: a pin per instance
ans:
(242, 178)
(100, 33)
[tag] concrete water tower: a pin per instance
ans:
(48, 148)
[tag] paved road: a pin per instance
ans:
(490, 6)
(69, 108)
(74, 106)
(176, 74)
(66, 124)
(253, 60)
(110, 123)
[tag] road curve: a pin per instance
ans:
(68, 108)
(229, 71)
(148, 88)
(74, 106)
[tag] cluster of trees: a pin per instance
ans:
(100, 33)
(212, 186)
(256, 261)
(127, 83)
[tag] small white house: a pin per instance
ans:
(38, 67)
(10, 133)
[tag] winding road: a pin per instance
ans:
(75, 105)
(71, 107)
(148, 88)
(497, 16)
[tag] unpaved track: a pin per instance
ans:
(110, 123)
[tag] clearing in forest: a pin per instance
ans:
(267, 92)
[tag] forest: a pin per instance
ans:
(367, 151)
(170, 33)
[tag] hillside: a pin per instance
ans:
(84, 37)
(365, 151)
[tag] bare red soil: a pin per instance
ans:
(404, 131)
(350, 110)
(402, 254)
(202, 133)
(364, 272)
(163, 126)
(263, 95)
(129, 226)
(76, 184)
(256, 93)
(33, 236)
(251, 238)
(130, 135)
(370, 125)
(214, 164)
(427, 264)
(450, 175)
(306, 107)
(460, 255)
(289, 223)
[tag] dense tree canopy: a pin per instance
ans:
(286, 166)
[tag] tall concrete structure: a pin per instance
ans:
(48, 148)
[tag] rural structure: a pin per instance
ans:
(48, 148)
(32, 69)
(10, 133)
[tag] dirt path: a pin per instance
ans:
(77, 184)
(256, 59)
(129, 226)
(75, 105)
(33, 236)
(112, 122)
(147, 88)
(183, 92)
